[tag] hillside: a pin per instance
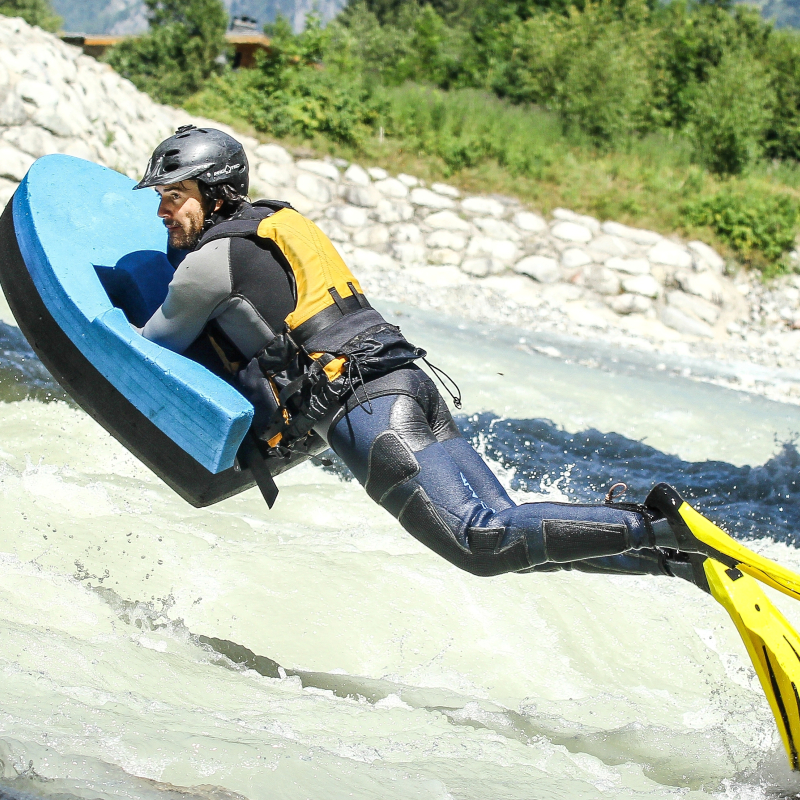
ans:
(127, 16)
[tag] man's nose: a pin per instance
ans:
(163, 211)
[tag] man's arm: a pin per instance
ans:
(201, 284)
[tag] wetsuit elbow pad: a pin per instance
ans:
(574, 540)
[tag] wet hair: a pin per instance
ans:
(231, 199)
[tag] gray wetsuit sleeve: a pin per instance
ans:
(201, 284)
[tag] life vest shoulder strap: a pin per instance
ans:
(247, 225)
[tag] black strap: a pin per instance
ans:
(323, 319)
(229, 228)
(250, 457)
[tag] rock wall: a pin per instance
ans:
(572, 270)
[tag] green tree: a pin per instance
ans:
(182, 49)
(34, 12)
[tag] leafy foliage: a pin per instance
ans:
(179, 53)
(34, 12)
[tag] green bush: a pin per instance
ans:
(183, 48)
(756, 227)
(731, 113)
(34, 12)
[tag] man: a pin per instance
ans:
(296, 335)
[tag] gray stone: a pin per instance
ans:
(321, 168)
(529, 222)
(540, 268)
(481, 267)
(566, 215)
(357, 175)
(408, 180)
(574, 257)
(32, 140)
(629, 304)
(40, 94)
(677, 320)
(612, 245)
(315, 189)
(377, 173)
(364, 196)
(496, 228)
(273, 153)
(501, 249)
(645, 285)
(351, 216)
(449, 240)
(444, 257)
(670, 254)
(571, 232)
(484, 206)
(388, 211)
(273, 174)
(702, 284)
(391, 187)
(706, 257)
(333, 230)
(447, 220)
(363, 258)
(448, 191)
(408, 253)
(371, 236)
(428, 199)
(406, 232)
(14, 164)
(694, 306)
(12, 110)
(638, 235)
(631, 266)
(602, 280)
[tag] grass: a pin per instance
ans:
(482, 144)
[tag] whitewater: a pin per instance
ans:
(152, 650)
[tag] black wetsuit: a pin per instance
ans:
(402, 445)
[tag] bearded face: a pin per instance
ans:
(182, 211)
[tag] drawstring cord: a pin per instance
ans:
(438, 373)
(350, 362)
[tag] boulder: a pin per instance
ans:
(670, 254)
(14, 164)
(273, 174)
(674, 318)
(565, 215)
(501, 249)
(364, 196)
(602, 280)
(12, 110)
(612, 245)
(377, 173)
(645, 285)
(409, 253)
(706, 257)
(703, 284)
(529, 223)
(446, 239)
(629, 304)
(318, 190)
(363, 258)
(391, 187)
(428, 199)
(541, 268)
(388, 211)
(574, 257)
(447, 220)
(447, 191)
(371, 236)
(333, 230)
(321, 168)
(32, 140)
(483, 206)
(631, 266)
(406, 232)
(638, 235)
(481, 267)
(357, 175)
(694, 306)
(444, 256)
(351, 216)
(571, 232)
(273, 153)
(38, 93)
(496, 228)
(408, 180)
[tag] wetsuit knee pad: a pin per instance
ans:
(483, 554)
(391, 463)
(575, 540)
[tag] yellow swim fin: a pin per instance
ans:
(695, 534)
(771, 642)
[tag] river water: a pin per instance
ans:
(153, 650)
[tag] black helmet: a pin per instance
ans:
(204, 154)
